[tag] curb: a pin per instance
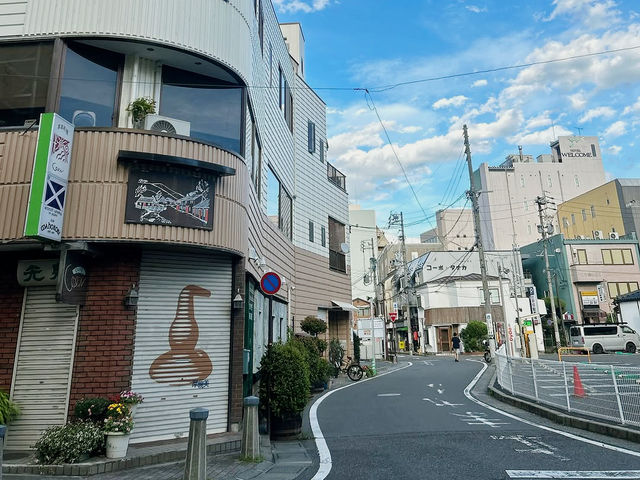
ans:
(104, 465)
(564, 418)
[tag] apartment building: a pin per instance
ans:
(364, 241)
(610, 211)
(508, 212)
(134, 250)
(454, 229)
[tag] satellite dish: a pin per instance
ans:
(344, 247)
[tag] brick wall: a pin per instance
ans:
(237, 345)
(104, 345)
(11, 295)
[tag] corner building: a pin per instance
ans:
(169, 222)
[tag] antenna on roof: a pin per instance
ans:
(579, 130)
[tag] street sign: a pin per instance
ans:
(393, 316)
(270, 283)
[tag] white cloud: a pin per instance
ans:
(632, 108)
(614, 149)
(292, 6)
(475, 8)
(615, 130)
(599, 112)
(480, 83)
(578, 100)
(456, 101)
(540, 137)
(538, 121)
(594, 13)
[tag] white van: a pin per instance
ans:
(601, 338)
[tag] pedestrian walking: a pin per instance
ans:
(455, 342)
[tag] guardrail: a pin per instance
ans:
(608, 392)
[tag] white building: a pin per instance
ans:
(454, 229)
(364, 246)
(508, 212)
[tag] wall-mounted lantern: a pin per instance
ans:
(237, 301)
(131, 298)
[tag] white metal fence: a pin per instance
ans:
(609, 392)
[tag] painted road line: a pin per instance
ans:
(467, 393)
(323, 450)
(573, 474)
(534, 445)
(388, 394)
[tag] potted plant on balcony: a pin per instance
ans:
(284, 388)
(140, 108)
(117, 427)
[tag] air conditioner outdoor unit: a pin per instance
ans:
(580, 237)
(598, 235)
(614, 235)
(158, 123)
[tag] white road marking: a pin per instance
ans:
(573, 474)
(452, 404)
(388, 394)
(431, 384)
(323, 450)
(441, 390)
(479, 418)
(467, 392)
(534, 445)
(435, 403)
(430, 364)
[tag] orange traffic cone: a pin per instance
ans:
(578, 389)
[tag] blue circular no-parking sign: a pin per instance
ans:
(270, 283)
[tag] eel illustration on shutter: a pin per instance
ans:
(183, 364)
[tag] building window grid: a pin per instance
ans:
(620, 288)
(617, 256)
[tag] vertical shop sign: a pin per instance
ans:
(45, 213)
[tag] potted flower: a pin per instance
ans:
(131, 400)
(140, 108)
(284, 388)
(117, 427)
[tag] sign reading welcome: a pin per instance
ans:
(45, 212)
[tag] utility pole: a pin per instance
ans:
(372, 262)
(473, 194)
(397, 219)
(545, 229)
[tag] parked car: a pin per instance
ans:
(601, 338)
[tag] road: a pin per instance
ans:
(417, 422)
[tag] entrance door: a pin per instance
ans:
(444, 340)
(44, 359)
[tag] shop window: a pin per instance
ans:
(89, 86)
(213, 106)
(24, 81)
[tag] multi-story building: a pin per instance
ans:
(454, 229)
(508, 212)
(611, 210)
(587, 275)
(141, 269)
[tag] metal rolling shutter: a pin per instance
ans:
(43, 366)
(165, 410)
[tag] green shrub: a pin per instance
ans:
(336, 353)
(473, 335)
(92, 409)
(9, 410)
(319, 368)
(284, 379)
(356, 346)
(69, 443)
(313, 325)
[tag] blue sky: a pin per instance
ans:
(374, 43)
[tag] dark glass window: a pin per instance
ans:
(212, 106)
(89, 86)
(24, 80)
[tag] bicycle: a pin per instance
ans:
(353, 369)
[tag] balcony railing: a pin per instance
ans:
(337, 261)
(335, 177)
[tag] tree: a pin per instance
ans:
(473, 335)
(313, 325)
(558, 303)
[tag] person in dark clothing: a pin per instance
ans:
(455, 342)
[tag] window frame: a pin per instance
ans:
(311, 231)
(582, 251)
(311, 137)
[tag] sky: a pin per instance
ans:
(395, 125)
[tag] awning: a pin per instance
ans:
(593, 313)
(345, 306)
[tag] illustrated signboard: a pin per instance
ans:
(166, 197)
(45, 213)
(590, 299)
(72, 287)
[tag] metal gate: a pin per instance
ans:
(42, 371)
(182, 342)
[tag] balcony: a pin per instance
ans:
(336, 177)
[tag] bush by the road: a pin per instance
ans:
(473, 335)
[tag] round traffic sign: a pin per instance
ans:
(270, 283)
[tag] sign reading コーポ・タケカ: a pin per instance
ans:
(45, 213)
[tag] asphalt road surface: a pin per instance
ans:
(418, 423)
